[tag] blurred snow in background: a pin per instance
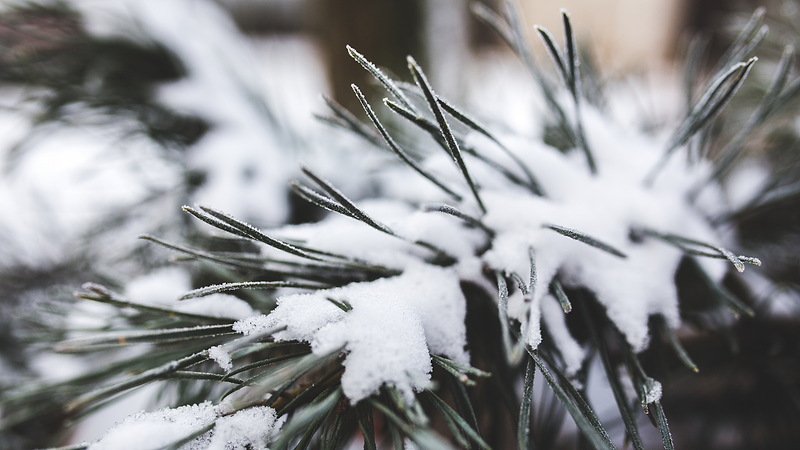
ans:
(258, 95)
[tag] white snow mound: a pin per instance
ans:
(394, 325)
(246, 429)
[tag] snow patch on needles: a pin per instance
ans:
(556, 323)
(221, 357)
(653, 393)
(388, 335)
(606, 207)
(394, 323)
(247, 429)
(157, 429)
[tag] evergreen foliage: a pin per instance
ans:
(295, 383)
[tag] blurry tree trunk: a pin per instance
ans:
(384, 31)
(446, 36)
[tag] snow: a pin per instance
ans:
(387, 336)
(252, 176)
(157, 429)
(159, 287)
(446, 232)
(607, 207)
(256, 324)
(96, 424)
(393, 324)
(221, 357)
(246, 429)
(555, 321)
(66, 181)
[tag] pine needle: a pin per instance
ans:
(382, 78)
(613, 378)
(524, 422)
(673, 341)
(422, 436)
(732, 151)
(555, 53)
(235, 226)
(567, 64)
(225, 287)
(462, 425)
(705, 110)
(494, 21)
(558, 291)
(101, 294)
(351, 208)
(122, 338)
(688, 246)
(444, 127)
(586, 239)
(585, 419)
(396, 148)
(147, 376)
(512, 352)
(350, 122)
(453, 211)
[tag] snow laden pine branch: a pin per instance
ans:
(371, 312)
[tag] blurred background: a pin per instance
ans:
(625, 35)
(240, 76)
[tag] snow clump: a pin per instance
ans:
(246, 429)
(221, 357)
(388, 334)
(608, 206)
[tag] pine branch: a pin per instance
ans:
(396, 148)
(472, 123)
(387, 82)
(705, 110)
(586, 239)
(444, 127)
(688, 246)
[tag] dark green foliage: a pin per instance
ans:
(111, 80)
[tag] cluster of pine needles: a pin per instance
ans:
(475, 406)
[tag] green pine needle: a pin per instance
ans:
(226, 287)
(387, 82)
(586, 239)
(396, 148)
(444, 127)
